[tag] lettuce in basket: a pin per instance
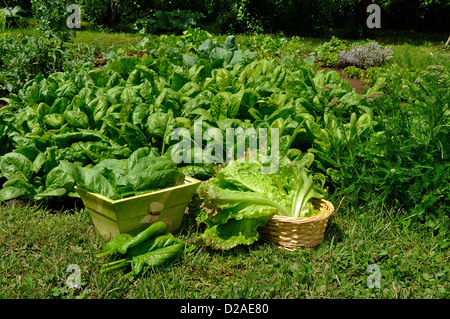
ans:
(239, 199)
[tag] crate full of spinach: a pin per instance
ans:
(123, 195)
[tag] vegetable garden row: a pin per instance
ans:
(111, 130)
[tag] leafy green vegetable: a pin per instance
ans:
(16, 165)
(90, 179)
(306, 190)
(90, 115)
(122, 242)
(239, 199)
(151, 247)
(116, 178)
(152, 173)
(161, 252)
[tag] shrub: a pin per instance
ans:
(247, 20)
(406, 162)
(113, 14)
(25, 5)
(307, 17)
(121, 15)
(365, 56)
(7, 15)
(2, 21)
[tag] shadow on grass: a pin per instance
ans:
(335, 231)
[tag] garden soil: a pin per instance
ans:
(357, 84)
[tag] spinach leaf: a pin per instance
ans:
(123, 242)
(151, 247)
(153, 173)
(156, 257)
(115, 178)
(16, 166)
(89, 179)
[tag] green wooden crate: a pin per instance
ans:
(113, 217)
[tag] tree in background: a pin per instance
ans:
(291, 17)
(52, 17)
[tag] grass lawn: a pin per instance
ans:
(107, 40)
(37, 245)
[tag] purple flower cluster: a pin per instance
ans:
(364, 56)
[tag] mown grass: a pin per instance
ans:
(107, 40)
(38, 246)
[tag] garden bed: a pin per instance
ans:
(359, 85)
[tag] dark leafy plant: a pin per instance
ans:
(168, 21)
(22, 59)
(328, 52)
(406, 162)
(148, 248)
(245, 19)
(25, 5)
(2, 21)
(8, 14)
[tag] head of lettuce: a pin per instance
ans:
(239, 199)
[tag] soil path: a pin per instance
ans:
(357, 84)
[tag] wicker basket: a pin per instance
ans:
(292, 233)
